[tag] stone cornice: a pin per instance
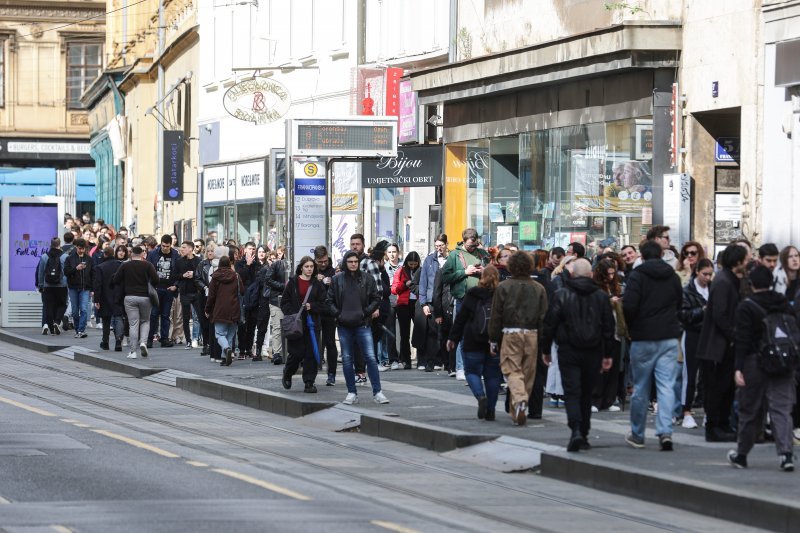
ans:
(44, 13)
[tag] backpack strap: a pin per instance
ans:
(463, 261)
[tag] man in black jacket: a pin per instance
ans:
(185, 267)
(354, 316)
(715, 348)
(79, 269)
(275, 277)
(581, 322)
(325, 274)
(247, 267)
(651, 303)
(755, 387)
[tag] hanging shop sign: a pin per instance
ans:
(173, 166)
(259, 101)
(414, 166)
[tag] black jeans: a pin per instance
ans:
(263, 329)
(579, 372)
(55, 305)
(246, 333)
(186, 309)
(301, 351)
(119, 327)
(607, 385)
(329, 344)
(404, 314)
(536, 400)
(719, 391)
(692, 366)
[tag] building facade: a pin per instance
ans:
(50, 51)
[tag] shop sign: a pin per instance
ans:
(408, 130)
(250, 181)
(393, 75)
(216, 184)
(259, 101)
(173, 166)
(726, 150)
(610, 187)
(414, 166)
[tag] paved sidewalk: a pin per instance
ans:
(434, 398)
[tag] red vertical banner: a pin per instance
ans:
(392, 86)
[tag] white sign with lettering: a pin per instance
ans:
(250, 181)
(215, 185)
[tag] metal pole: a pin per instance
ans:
(158, 216)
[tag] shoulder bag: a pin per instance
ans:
(291, 325)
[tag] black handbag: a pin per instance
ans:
(292, 325)
(152, 293)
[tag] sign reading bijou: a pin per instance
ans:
(414, 166)
(259, 101)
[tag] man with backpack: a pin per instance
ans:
(517, 312)
(652, 300)
(79, 269)
(767, 340)
(581, 323)
(53, 284)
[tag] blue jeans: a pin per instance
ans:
(80, 308)
(348, 338)
(195, 324)
(163, 310)
(649, 359)
(225, 333)
(483, 364)
(460, 347)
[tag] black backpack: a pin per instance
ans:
(779, 347)
(586, 330)
(251, 296)
(480, 319)
(53, 270)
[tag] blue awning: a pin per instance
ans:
(85, 193)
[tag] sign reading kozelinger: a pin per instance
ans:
(259, 101)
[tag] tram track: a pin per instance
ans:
(223, 440)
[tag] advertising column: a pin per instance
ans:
(310, 196)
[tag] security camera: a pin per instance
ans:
(435, 120)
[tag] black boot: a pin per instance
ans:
(205, 350)
(310, 388)
(576, 441)
(104, 345)
(118, 345)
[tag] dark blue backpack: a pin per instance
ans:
(251, 296)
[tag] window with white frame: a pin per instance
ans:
(84, 64)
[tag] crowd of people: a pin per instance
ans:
(670, 330)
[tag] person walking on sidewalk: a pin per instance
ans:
(133, 277)
(353, 299)
(247, 267)
(471, 327)
(325, 274)
(652, 301)
(79, 269)
(403, 287)
(106, 297)
(163, 259)
(715, 348)
(581, 323)
(426, 326)
(758, 320)
(461, 271)
(202, 278)
(292, 302)
(52, 282)
(517, 313)
(223, 308)
(185, 268)
(275, 277)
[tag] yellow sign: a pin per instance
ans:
(310, 169)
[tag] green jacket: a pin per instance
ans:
(518, 303)
(457, 262)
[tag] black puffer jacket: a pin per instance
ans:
(463, 322)
(692, 308)
(749, 327)
(653, 297)
(558, 323)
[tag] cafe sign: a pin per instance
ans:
(259, 101)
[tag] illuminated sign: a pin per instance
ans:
(353, 137)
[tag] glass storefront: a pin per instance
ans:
(590, 183)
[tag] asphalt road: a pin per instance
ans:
(82, 449)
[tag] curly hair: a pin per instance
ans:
(520, 264)
(611, 286)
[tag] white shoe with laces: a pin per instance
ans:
(132, 355)
(614, 409)
(395, 365)
(460, 376)
(380, 398)
(595, 409)
(351, 398)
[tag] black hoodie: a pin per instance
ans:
(652, 301)
(559, 323)
(749, 327)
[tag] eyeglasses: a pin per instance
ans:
(690, 253)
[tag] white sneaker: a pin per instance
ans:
(143, 349)
(380, 398)
(451, 374)
(132, 355)
(437, 367)
(796, 434)
(383, 367)
(395, 365)
(194, 343)
(45, 330)
(351, 398)
(421, 368)
(460, 375)
(689, 422)
(595, 409)
(614, 409)
(125, 341)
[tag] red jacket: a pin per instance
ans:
(400, 288)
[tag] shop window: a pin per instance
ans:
(250, 222)
(213, 218)
(84, 63)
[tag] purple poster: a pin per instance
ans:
(30, 226)
(407, 128)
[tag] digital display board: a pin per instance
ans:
(357, 137)
(31, 226)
